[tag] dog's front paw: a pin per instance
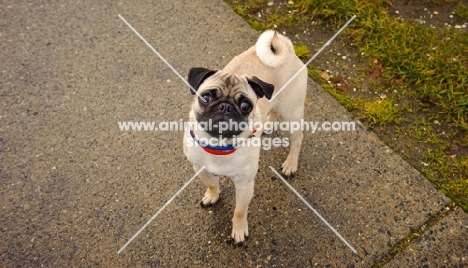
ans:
(240, 231)
(289, 167)
(211, 197)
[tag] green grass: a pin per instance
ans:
(381, 111)
(302, 51)
(414, 53)
(249, 10)
(351, 104)
(431, 67)
(424, 75)
(439, 166)
(461, 12)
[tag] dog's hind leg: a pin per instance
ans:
(295, 142)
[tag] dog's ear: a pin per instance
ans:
(260, 87)
(197, 75)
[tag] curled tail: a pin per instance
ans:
(273, 48)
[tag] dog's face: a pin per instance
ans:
(225, 98)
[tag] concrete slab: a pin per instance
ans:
(443, 245)
(75, 188)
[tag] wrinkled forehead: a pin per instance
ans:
(228, 85)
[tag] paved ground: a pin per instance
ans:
(74, 188)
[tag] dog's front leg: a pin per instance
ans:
(244, 193)
(212, 184)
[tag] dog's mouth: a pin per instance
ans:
(222, 126)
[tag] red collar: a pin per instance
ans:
(215, 150)
(218, 150)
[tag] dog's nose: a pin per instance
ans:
(225, 108)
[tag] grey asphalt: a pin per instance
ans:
(74, 188)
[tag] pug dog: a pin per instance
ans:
(244, 91)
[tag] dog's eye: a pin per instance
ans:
(245, 106)
(207, 97)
